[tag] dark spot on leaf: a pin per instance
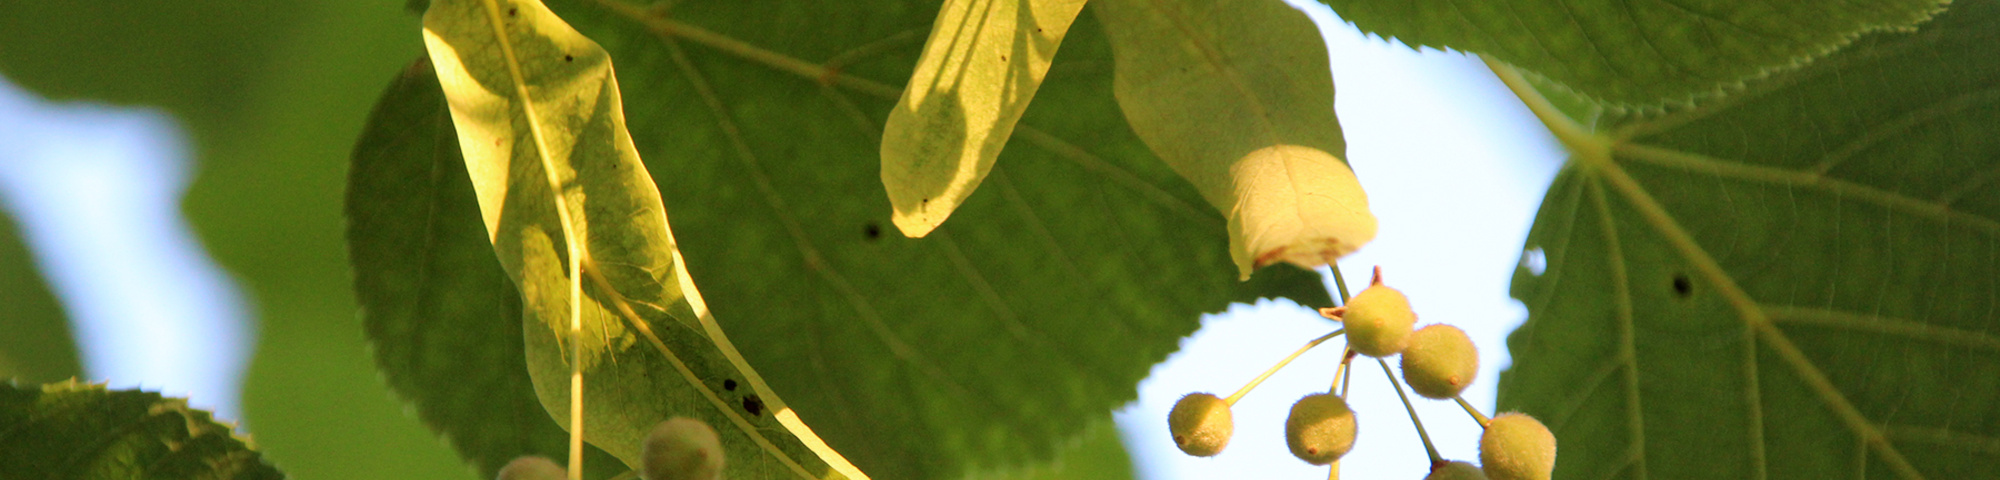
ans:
(1683, 287)
(753, 405)
(729, 385)
(873, 231)
(1003, 58)
(512, 10)
(567, 58)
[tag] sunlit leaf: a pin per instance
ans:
(443, 320)
(76, 430)
(1638, 53)
(981, 67)
(1799, 281)
(1236, 95)
(565, 197)
(1081, 263)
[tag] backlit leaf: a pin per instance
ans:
(981, 67)
(1638, 53)
(443, 320)
(1798, 281)
(567, 203)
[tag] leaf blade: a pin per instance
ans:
(977, 74)
(1640, 55)
(541, 123)
(442, 320)
(1832, 297)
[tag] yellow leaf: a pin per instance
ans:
(612, 321)
(981, 66)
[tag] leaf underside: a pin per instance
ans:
(1763, 286)
(75, 430)
(1638, 53)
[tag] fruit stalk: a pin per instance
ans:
(1421, 434)
(1476, 416)
(1281, 364)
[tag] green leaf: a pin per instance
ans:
(443, 320)
(75, 430)
(1798, 281)
(35, 341)
(968, 351)
(1639, 53)
(1097, 455)
(1237, 96)
(984, 60)
(542, 128)
(443, 316)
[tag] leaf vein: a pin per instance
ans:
(1775, 176)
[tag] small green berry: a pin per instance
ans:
(1517, 447)
(1201, 424)
(1456, 471)
(1378, 320)
(531, 468)
(1320, 429)
(682, 448)
(1440, 361)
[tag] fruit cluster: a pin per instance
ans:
(1438, 362)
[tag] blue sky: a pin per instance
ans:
(1453, 165)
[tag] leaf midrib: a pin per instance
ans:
(573, 260)
(578, 256)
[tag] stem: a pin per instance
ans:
(1340, 377)
(1476, 416)
(1426, 436)
(1341, 283)
(1349, 380)
(1281, 364)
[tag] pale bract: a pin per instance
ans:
(1297, 205)
(1237, 96)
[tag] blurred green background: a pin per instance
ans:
(272, 94)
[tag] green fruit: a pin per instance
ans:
(1456, 471)
(1440, 361)
(1320, 429)
(1378, 321)
(1201, 424)
(531, 468)
(682, 448)
(1517, 447)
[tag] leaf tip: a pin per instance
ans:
(918, 222)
